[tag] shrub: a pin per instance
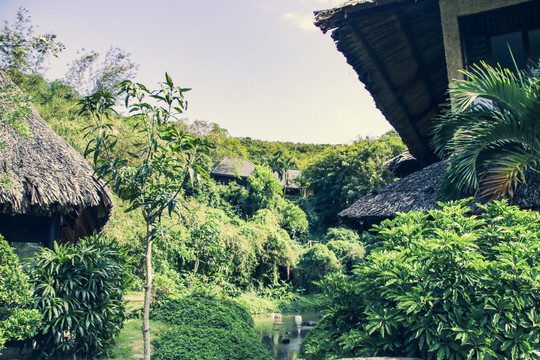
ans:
(79, 292)
(206, 328)
(341, 234)
(348, 253)
(17, 320)
(201, 343)
(314, 264)
(443, 285)
(200, 312)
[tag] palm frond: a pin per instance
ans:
(489, 144)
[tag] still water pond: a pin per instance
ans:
(273, 333)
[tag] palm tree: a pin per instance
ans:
(281, 164)
(492, 135)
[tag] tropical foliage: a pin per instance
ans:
(442, 285)
(342, 174)
(78, 291)
(207, 328)
(18, 321)
(492, 135)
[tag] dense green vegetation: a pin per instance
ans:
(206, 328)
(18, 321)
(78, 291)
(443, 285)
(343, 174)
(245, 243)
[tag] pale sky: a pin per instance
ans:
(258, 68)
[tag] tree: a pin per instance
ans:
(492, 136)
(21, 50)
(264, 192)
(342, 174)
(163, 162)
(88, 76)
(281, 164)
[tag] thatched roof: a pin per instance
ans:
(396, 48)
(46, 176)
(415, 192)
(233, 168)
(292, 181)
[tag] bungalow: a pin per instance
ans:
(238, 170)
(232, 170)
(407, 52)
(48, 191)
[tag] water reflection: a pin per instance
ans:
(282, 336)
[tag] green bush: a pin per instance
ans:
(79, 292)
(17, 320)
(314, 264)
(341, 234)
(202, 343)
(443, 285)
(206, 328)
(348, 253)
(201, 311)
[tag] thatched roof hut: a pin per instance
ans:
(49, 190)
(415, 192)
(407, 51)
(228, 170)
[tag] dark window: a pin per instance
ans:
(498, 35)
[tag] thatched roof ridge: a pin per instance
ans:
(45, 174)
(415, 192)
(396, 47)
(234, 168)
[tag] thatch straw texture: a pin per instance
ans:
(46, 176)
(396, 48)
(415, 192)
(233, 168)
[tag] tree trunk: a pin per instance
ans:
(147, 294)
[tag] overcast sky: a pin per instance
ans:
(258, 68)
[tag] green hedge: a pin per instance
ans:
(206, 328)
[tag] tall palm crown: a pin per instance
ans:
(492, 135)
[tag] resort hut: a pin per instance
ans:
(229, 170)
(291, 183)
(418, 192)
(415, 192)
(48, 190)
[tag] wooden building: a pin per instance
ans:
(407, 52)
(48, 190)
(232, 170)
